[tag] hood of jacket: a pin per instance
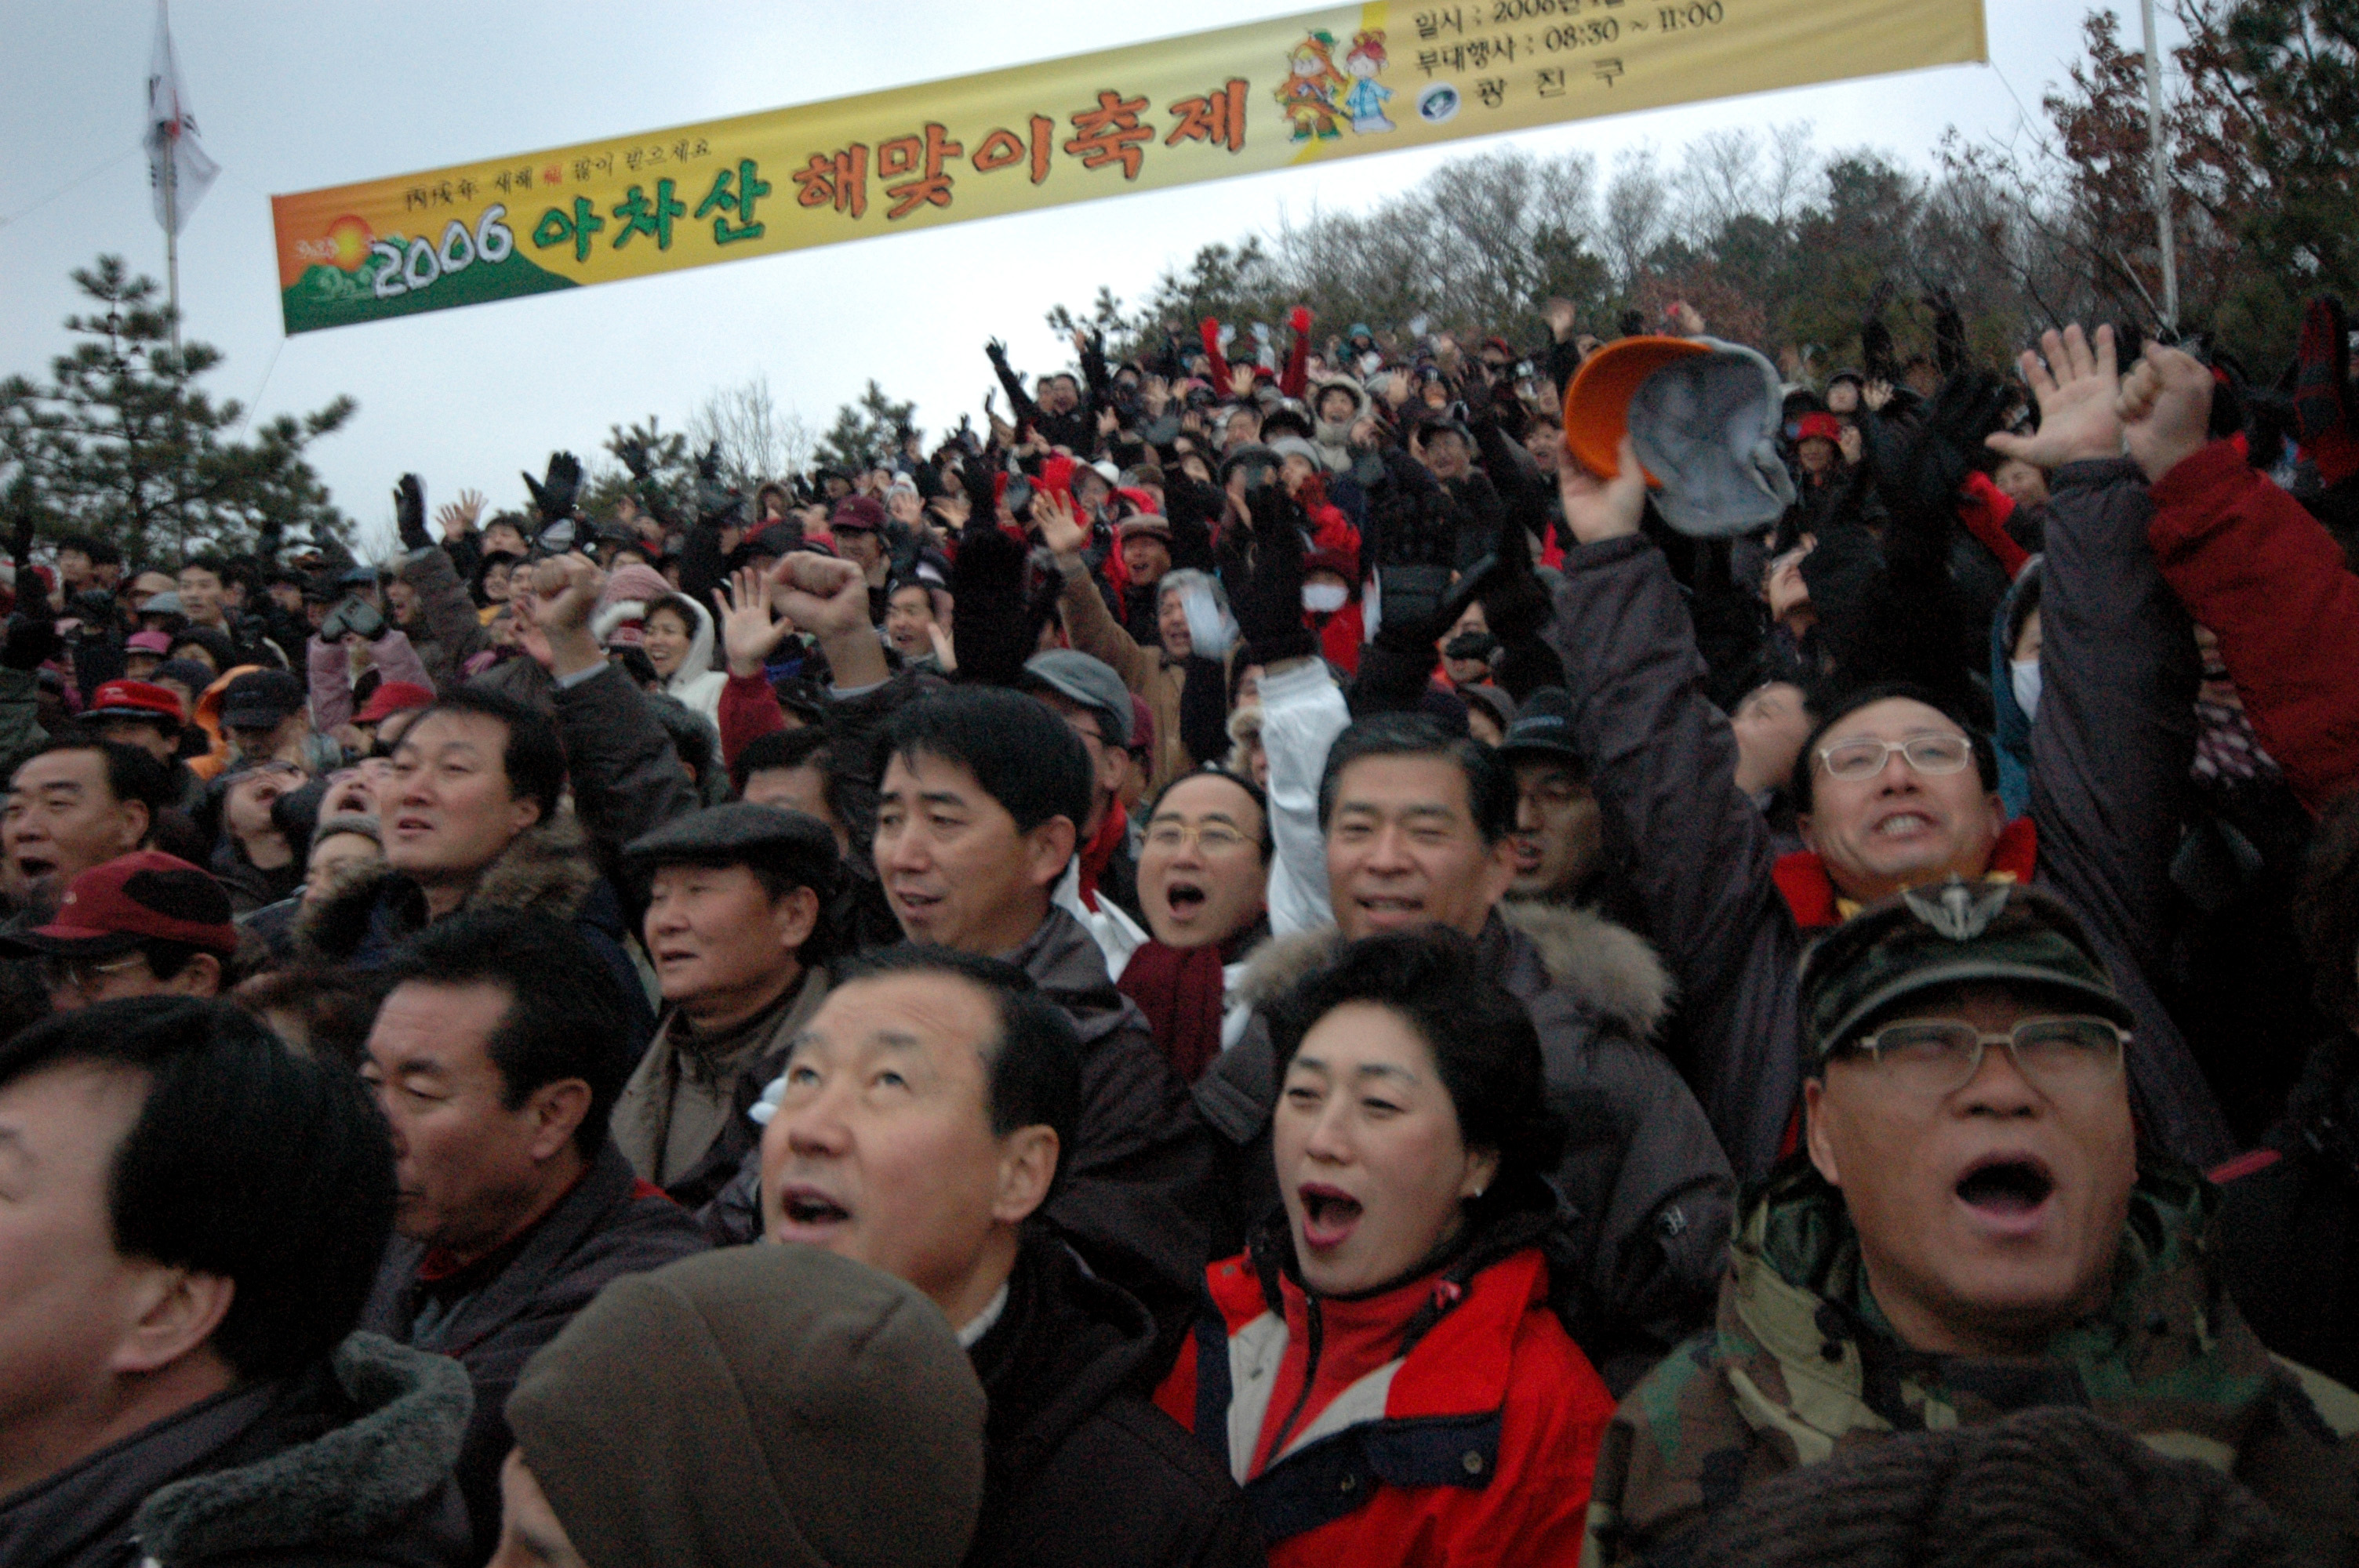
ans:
(547, 869)
(1611, 968)
(1328, 433)
(354, 1482)
(698, 663)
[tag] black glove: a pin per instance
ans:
(32, 637)
(266, 544)
(996, 630)
(715, 501)
(997, 352)
(1918, 466)
(409, 511)
(1262, 570)
(634, 453)
(1411, 544)
(553, 496)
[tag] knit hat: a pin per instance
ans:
(1954, 934)
(619, 620)
(1295, 447)
(2057, 1487)
(767, 1406)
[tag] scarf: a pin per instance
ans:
(1099, 851)
(1182, 992)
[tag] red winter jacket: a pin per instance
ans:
(1477, 1447)
(2250, 562)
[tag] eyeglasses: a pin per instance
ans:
(1938, 1056)
(1863, 759)
(81, 976)
(1214, 837)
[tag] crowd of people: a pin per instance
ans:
(1393, 953)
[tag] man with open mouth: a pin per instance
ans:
(927, 1113)
(1975, 1231)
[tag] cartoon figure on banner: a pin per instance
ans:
(1308, 94)
(1365, 102)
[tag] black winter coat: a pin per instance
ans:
(1079, 1469)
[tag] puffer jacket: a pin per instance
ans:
(1470, 1436)
(1799, 1368)
(2111, 747)
(1650, 1190)
(2252, 564)
(344, 1464)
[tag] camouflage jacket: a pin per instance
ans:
(1801, 1365)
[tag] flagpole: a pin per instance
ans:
(172, 208)
(2158, 176)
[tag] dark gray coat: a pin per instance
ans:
(605, 1227)
(346, 1465)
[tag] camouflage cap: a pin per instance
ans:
(1957, 932)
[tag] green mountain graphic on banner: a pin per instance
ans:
(329, 297)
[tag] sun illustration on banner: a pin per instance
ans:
(350, 237)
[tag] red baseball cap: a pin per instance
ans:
(144, 896)
(1818, 428)
(393, 696)
(135, 699)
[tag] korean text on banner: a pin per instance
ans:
(1266, 95)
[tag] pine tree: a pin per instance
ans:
(868, 432)
(122, 443)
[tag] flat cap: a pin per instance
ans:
(741, 833)
(1078, 677)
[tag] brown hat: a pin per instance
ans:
(773, 1406)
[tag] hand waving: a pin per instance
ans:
(553, 496)
(1052, 513)
(2078, 387)
(749, 633)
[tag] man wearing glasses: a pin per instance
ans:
(1894, 789)
(1975, 1233)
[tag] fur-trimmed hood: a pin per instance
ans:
(1612, 969)
(349, 1488)
(546, 868)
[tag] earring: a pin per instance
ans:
(1478, 1191)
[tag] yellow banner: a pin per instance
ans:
(1299, 91)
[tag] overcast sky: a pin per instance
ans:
(293, 96)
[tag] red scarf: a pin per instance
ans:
(1180, 990)
(1811, 893)
(1099, 851)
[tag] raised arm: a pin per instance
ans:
(1662, 762)
(2251, 563)
(2115, 729)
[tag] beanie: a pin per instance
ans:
(769, 1406)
